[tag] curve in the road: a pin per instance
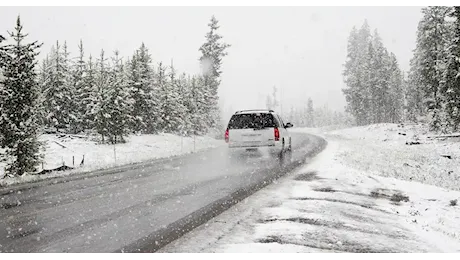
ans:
(173, 231)
(136, 209)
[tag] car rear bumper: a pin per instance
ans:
(272, 148)
(250, 145)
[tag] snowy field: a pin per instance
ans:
(70, 152)
(382, 150)
(356, 196)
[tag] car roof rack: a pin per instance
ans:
(250, 110)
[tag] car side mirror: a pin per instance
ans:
(288, 125)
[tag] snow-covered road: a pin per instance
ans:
(331, 205)
(134, 208)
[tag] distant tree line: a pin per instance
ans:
(105, 94)
(307, 115)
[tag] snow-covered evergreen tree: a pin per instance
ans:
(167, 99)
(101, 110)
(429, 61)
(87, 95)
(373, 79)
(378, 84)
(184, 90)
(118, 104)
(44, 79)
(269, 102)
(310, 113)
(291, 116)
(272, 99)
(51, 88)
(137, 94)
(146, 72)
(452, 73)
(414, 93)
(355, 77)
(18, 98)
(142, 91)
(171, 112)
(212, 52)
(78, 73)
(199, 107)
(3, 61)
(69, 106)
(59, 93)
(395, 101)
(180, 119)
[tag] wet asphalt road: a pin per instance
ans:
(136, 208)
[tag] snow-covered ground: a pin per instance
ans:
(382, 150)
(356, 196)
(70, 151)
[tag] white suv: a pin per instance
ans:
(254, 129)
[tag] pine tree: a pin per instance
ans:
(291, 116)
(379, 81)
(60, 94)
(167, 99)
(3, 61)
(212, 52)
(81, 92)
(373, 80)
(429, 61)
(69, 106)
(101, 109)
(136, 94)
(19, 96)
(2, 64)
(88, 95)
(275, 102)
(172, 115)
(199, 109)
(272, 100)
(145, 117)
(184, 90)
(310, 113)
(452, 73)
(146, 73)
(44, 79)
(414, 93)
(118, 104)
(269, 102)
(179, 92)
(356, 74)
(51, 88)
(395, 103)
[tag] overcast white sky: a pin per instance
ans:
(301, 50)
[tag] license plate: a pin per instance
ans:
(251, 135)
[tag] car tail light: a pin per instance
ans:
(277, 134)
(227, 136)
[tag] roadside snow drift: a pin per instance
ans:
(407, 152)
(85, 155)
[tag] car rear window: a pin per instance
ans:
(254, 120)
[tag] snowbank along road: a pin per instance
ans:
(137, 208)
